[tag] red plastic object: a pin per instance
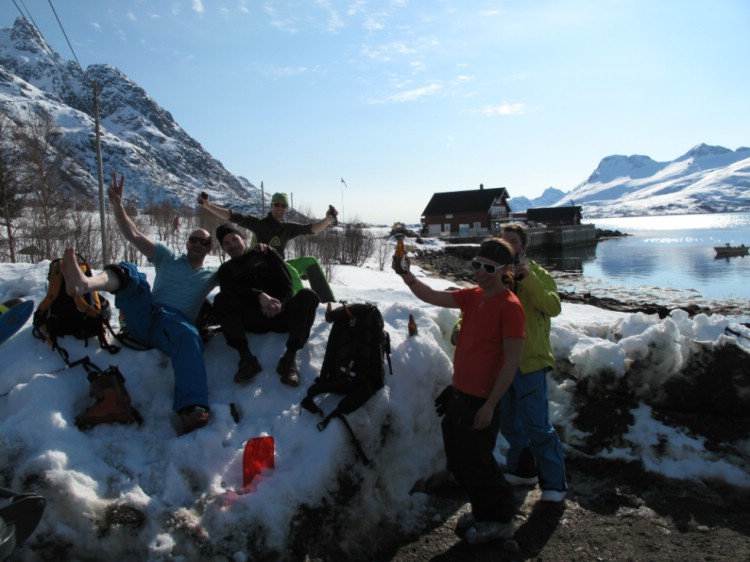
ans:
(257, 456)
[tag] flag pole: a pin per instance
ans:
(343, 185)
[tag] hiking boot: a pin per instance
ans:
(112, 402)
(287, 368)
(485, 531)
(247, 369)
(464, 522)
(516, 480)
(553, 496)
(193, 417)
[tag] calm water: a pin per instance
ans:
(664, 257)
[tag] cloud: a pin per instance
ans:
(198, 6)
(505, 108)
(286, 71)
(416, 93)
(388, 51)
(277, 21)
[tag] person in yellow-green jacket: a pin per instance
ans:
(535, 452)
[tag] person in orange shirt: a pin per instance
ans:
(487, 355)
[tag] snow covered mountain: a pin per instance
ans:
(138, 137)
(550, 196)
(706, 179)
(164, 163)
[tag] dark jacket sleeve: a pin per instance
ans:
(282, 281)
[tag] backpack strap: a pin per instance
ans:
(357, 445)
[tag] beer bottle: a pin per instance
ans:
(412, 326)
(333, 218)
(402, 263)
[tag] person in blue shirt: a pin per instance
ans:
(162, 316)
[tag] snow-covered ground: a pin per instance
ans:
(144, 493)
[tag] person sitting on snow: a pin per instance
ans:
(276, 232)
(162, 317)
(255, 294)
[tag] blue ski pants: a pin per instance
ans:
(166, 329)
(525, 423)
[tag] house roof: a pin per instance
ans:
(552, 213)
(464, 201)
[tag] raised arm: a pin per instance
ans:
(125, 225)
(215, 210)
(426, 293)
(322, 224)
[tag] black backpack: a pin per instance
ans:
(60, 315)
(353, 362)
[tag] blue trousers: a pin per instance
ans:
(525, 424)
(166, 329)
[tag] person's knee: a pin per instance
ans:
(123, 278)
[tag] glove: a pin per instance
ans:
(441, 402)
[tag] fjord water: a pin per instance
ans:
(667, 255)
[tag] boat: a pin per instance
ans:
(727, 250)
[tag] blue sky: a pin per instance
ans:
(406, 98)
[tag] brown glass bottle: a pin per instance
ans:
(333, 218)
(412, 326)
(402, 263)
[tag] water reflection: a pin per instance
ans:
(570, 260)
(662, 255)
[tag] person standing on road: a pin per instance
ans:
(487, 356)
(535, 453)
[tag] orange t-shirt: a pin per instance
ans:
(479, 351)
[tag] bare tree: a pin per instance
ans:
(11, 194)
(41, 176)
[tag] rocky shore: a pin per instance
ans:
(451, 263)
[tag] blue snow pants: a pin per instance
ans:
(525, 423)
(166, 329)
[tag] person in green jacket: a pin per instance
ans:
(525, 407)
(276, 231)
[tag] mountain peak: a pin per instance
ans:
(27, 39)
(617, 166)
(702, 150)
(138, 137)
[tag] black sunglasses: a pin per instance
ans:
(280, 205)
(477, 265)
(201, 241)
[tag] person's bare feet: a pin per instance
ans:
(76, 283)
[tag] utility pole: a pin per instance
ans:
(102, 215)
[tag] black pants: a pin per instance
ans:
(240, 314)
(470, 459)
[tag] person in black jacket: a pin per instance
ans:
(255, 294)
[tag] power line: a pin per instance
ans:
(27, 15)
(63, 32)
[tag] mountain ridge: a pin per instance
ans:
(165, 164)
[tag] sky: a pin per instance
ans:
(187, 491)
(404, 98)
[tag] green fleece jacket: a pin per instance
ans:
(540, 300)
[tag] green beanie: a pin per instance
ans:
(280, 197)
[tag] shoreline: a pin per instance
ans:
(453, 268)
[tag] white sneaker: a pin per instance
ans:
(554, 496)
(485, 531)
(515, 480)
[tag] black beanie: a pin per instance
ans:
(496, 251)
(225, 229)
